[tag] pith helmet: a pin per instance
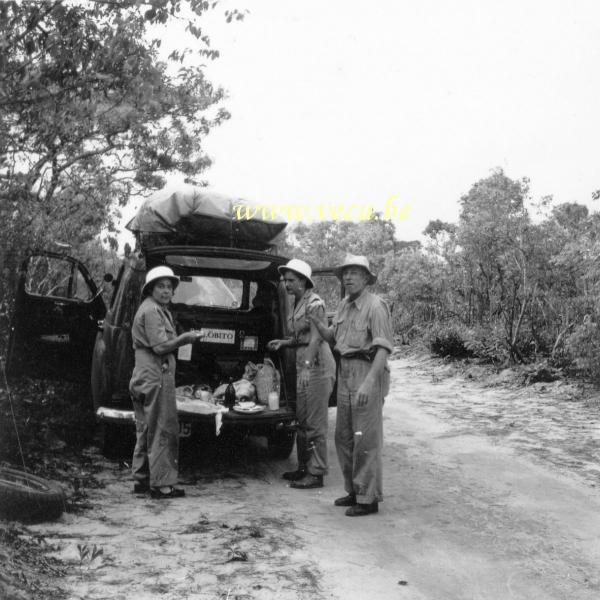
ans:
(300, 268)
(353, 260)
(159, 273)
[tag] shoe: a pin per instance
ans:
(295, 475)
(349, 500)
(309, 482)
(141, 487)
(360, 510)
(173, 493)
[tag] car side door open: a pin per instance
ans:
(57, 311)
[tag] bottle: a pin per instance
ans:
(229, 399)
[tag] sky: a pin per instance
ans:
(345, 101)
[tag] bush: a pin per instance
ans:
(583, 347)
(448, 340)
(49, 416)
(487, 343)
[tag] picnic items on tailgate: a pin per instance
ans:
(273, 401)
(230, 395)
(244, 391)
(257, 390)
(250, 371)
(248, 408)
(266, 381)
(198, 400)
(199, 392)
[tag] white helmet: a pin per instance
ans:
(159, 273)
(299, 267)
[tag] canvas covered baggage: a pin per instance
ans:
(198, 217)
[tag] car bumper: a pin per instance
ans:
(282, 418)
(115, 416)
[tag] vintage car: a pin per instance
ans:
(229, 287)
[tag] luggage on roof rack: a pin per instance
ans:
(203, 218)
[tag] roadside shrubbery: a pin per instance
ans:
(501, 286)
(44, 426)
(583, 349)
(455, 340)
(449, 341)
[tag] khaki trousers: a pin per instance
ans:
(156, 450)
(359, 431)
(312, 404)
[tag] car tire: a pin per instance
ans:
(29, 498)
(280, 443)
(117, 441)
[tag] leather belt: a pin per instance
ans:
(359, 355)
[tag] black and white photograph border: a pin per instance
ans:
(410, 186)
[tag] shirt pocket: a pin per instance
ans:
(301, 326)
(299, 318)
(338, 327)
(358, 334)
(169, 329)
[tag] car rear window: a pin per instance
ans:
(220, 292)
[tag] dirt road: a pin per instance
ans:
(472, 512)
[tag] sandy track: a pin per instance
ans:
(469, 514)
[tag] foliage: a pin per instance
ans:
(38, 415)
(583, 345)
(87, 554)
(45, 427)
(487, 343)
(448, 341)
(414, 282)
(499, 284)
(334, 239)
(28, 571)
(91, 113)
(325, 243)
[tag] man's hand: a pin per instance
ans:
(274, 345)
(365, 391)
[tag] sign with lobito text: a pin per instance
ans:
(218, 336)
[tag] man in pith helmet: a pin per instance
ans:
(363, 336)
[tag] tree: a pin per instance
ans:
(325, 243)
(417, 284)
(492, 230)
(90, 114)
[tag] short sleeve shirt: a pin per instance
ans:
(362, 324)
(152, 325)
(298, 323)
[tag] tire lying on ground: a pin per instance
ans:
(25, 497)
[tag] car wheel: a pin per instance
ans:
(117, 441)
(280, 443)
(26, 497)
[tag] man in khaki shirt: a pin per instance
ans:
(363, 336)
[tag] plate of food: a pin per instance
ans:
(248, 408)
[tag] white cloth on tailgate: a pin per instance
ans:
(201, 407)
